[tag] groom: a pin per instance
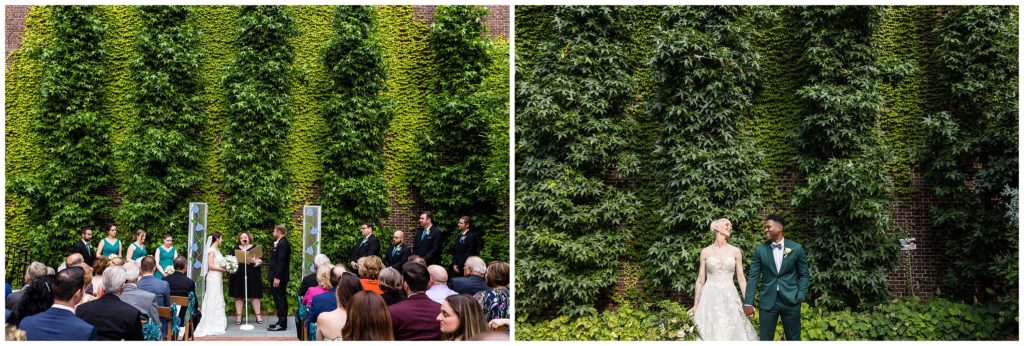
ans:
(779, 267)
(278, 276)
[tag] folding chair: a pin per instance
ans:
(182, 303)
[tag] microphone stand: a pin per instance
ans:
(245, 275)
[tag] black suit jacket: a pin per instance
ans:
(464, 247)
(370, 248)
(429, 246)
(180, 284)
(397, 259)
(112, 318)
(279, 261)
(86, 251)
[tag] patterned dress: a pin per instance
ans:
(494, 302)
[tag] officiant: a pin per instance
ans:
(252, 273)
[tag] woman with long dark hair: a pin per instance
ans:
(38, 298)
(368, 318)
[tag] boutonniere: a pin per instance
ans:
(786, 252)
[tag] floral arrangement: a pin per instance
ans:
(169, 270)
(230, 264)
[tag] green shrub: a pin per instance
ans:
(664, 320)
(911, 319)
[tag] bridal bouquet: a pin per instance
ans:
(169, 270)
(230, 264)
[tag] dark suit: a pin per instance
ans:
(415, 318)
(465, 245)
(782, 287)
(279, 270)
(395, 259)
(113, 319)
(181, 286)
(86, 251)
(369, 247)
(15, 297)
(307, 282)
(428, 245)
(57, 324)
(468, 284)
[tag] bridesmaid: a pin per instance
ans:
(165, 256)
(138, 248)
(237, 282)
(110, 245)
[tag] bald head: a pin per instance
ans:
(438, 276)
(398, 237)
(73, 260)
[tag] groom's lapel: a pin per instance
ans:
(786, 259)
(769, 257)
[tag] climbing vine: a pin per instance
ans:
(570, 126)
(971, 156)
(259, 118)
(357, 116)
(64, 195)
(163, 153)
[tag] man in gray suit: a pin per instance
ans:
(140, 299)
(33, 271)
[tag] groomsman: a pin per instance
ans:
(465, 245)
(278, 276)
(83, 248)
(399, 253)
(368, 245)
(428, 241)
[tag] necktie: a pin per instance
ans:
(87, 250)
(424, 234)
(777, 246)
(462, 239)
(394, 252)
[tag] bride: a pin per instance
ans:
(214, 320)
(718, 311)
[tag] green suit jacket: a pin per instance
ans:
(791, 280)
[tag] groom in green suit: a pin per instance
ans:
(779, 268)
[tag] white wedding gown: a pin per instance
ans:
(719, 315)
(214, 321)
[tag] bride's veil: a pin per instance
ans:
(206, 254)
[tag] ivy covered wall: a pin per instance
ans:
(409, 65)
(903, 40)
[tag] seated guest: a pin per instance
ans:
(142, 300)
(398, 254)
(323, 279)
(473, 282)
(369, 319)
(34, 271)
(369, 268)
(327, 301)
(417, 259)
(98, 267)
(35, 298)
(149, 283)
(86, 296)
(59, 321)
(70, 261)
(116, 261)
(391, 283)
(438, 285)
(494, 301)
(330, 323)
(113, 319)
(308, 281)
(461, 318)
(416, 317)
(180, 285)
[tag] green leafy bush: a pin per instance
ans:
(66, 193)
(164, 151)
(664, 320)
(911, 319)
(354, 187)
(259, 119)
(570, 123)
(853, 246)
(971, 153)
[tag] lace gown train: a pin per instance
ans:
(214, 321)
(719, 315)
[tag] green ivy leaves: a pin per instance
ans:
(354, 187)
(259, 119)
(164, 153)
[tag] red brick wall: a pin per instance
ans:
(15, 27)
(497, 19)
